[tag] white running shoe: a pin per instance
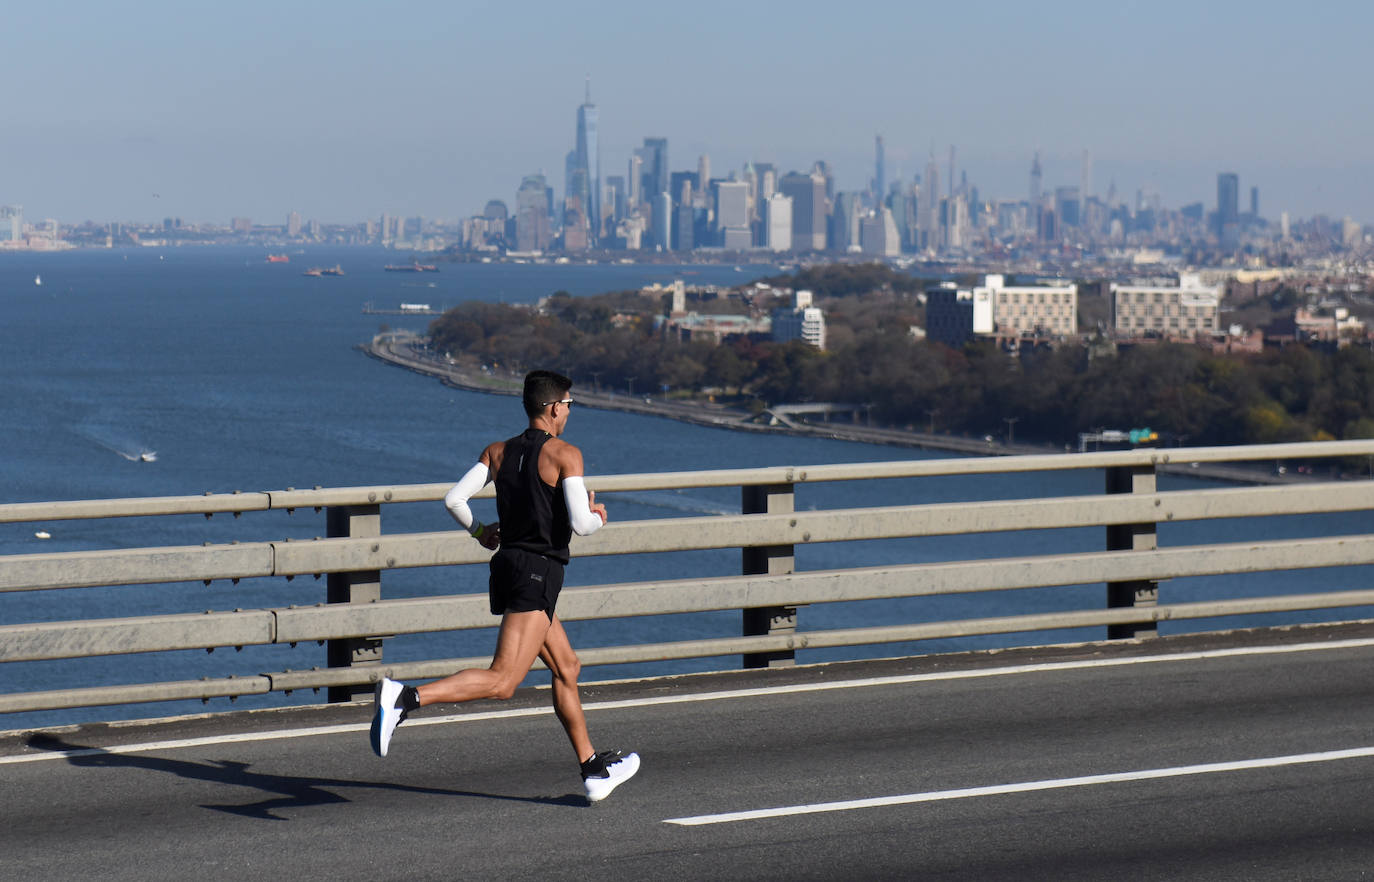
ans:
(606, 771)
(387, 716)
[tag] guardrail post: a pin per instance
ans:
(1132, 537)
(768, 560)
(353, 521)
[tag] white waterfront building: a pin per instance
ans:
(801, 321)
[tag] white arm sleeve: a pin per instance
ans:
(456, 500)
(584, 521)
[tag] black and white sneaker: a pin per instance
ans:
(387, 715)
(606, 771)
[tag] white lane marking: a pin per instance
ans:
(1024, 787)
(758, 692)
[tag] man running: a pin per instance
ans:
(541, 499)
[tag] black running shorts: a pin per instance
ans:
(522, 581)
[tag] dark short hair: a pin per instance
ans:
(541, 387)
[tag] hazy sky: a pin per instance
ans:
(343, 109)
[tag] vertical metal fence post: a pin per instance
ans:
(1132, 537)
(768, 560)
(355, 521)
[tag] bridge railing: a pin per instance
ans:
(768, 591)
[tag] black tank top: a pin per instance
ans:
(534, 516)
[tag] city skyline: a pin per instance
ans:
(260, 110)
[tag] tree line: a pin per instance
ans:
(1186, 393)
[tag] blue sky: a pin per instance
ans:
(342, 110)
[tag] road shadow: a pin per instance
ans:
(289, 792)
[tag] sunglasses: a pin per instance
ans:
(559, 401)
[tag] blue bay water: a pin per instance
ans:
(242, 375)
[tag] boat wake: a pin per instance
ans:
(130, 450)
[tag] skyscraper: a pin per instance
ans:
(767, 182)
(532, 229)
(1228, 198)
(777, 223)
(587, 164)
(732, 214)
(879, 170)
(1068, 206)
(1035, 177)
(845, 222)
(654, 180)
(11, 223)
(663, 221)
(930, 206)
(807, 193)
(634, 193)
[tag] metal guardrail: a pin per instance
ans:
(769, 592)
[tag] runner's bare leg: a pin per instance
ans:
(520, 642)
(563, 663)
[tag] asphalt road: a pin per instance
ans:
(973, 766)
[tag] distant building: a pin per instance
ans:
(713, 328)
(846, 222)
(801, 321)
(11, 223)
(587, 165)
(1228, 209)
(1189, 310)
(928, 214)
(576, 230)
(808, 209)
(732, 214)
(879, 169)
(1335, 325)
(293, 224)
(662, 228)
(777, 223)
(496, 210)
(615, 197)
(1352, 234)
(1067, 206)
(1038, 310)
(653, 168)
(533, 230)
(954, 316)
(634, 183)
(878, 234)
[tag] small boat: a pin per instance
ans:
(335, 270)
(42, 534)
(148, 456)
(415, 267)
(278, 258)
(38, 280)
(313, 271)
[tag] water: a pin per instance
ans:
(241, 375)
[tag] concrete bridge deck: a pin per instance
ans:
(1247, 755)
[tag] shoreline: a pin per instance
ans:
(400, 352)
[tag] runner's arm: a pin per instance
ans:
(585, 520)
(456, 500)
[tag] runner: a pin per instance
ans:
(541, 499)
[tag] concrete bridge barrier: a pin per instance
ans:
(356, 554)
